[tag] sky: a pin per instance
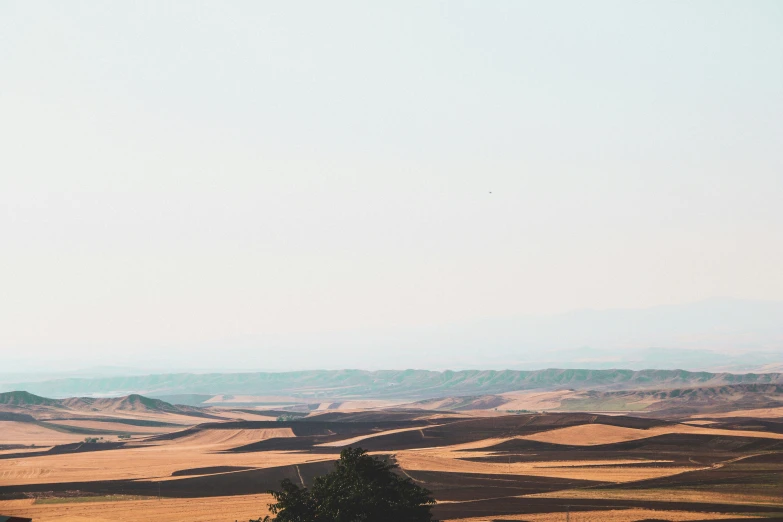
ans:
(182, 178)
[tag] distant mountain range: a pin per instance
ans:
(403, 384)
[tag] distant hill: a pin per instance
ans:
(187, 399)
(133, 402)
(21, 401)
(685, 401)
(392, 384)
(25, 399)
(461, 403)
(667, 402)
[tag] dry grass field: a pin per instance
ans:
(135, 463)
(594, 434)
(113, 426)
(614, 515)
(537, 401)
(217, 440)
(14, 433)
(602, 471)
(356, 440)
(667, 495)
(218, 465)
(759, 413)
(153, 510)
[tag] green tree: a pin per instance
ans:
(360, 489)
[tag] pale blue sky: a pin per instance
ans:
(190, 172)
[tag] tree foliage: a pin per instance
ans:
(360, 489)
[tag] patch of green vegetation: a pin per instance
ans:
(361, 487)
(101, 498)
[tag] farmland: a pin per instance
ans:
(153, 460)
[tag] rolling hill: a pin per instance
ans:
(686, 401)
(23, 402)
(23, 399)
(674, 402)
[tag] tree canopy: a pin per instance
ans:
(361, 488)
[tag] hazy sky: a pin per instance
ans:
(187, 172)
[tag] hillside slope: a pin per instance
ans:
(24, 399)
(668, 402)
(685, 401)
(22, 402)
